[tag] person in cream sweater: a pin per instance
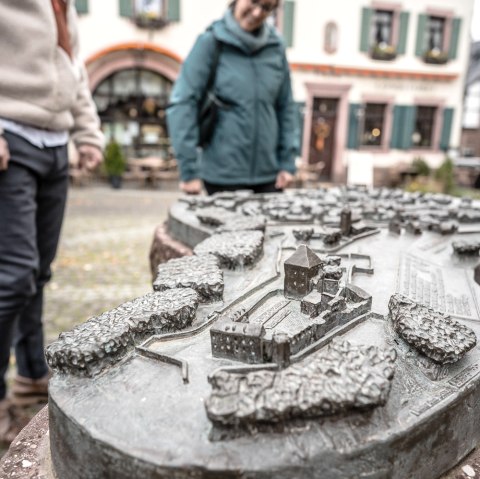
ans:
(44, 102)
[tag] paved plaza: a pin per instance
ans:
(103, 256)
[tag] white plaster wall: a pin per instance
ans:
(311, 19)
(102, 27)
(312, 16)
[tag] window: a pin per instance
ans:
(331, 37)
(373, 122)
(422, 136)
(382, 41)
(384, 32)
(422, 126)
(437, 37)
(382, 27)
(150, 13)
(435, 32)
(471, 108)
(434, 41)
(131, 104)
(149, 8)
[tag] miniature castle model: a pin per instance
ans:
(314, 301)
(300, 269)
(306, 272)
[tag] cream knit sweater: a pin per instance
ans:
(39, 84)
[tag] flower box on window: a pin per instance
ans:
(435, 57)
(150, 14)
(383, 51)
(143, 21)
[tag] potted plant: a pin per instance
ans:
(435, 57)
(445, 175)
(114, 164)
(421, 167)
(383, 51)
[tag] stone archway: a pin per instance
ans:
(131, 86)
(132, 55)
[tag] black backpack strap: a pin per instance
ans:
(213, 69)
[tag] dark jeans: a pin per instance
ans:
(262, 188)
(33, 192)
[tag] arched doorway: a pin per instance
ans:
(131, 104)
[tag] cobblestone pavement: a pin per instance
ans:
(103, 255)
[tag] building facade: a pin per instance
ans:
(375, 88)
(471, 111)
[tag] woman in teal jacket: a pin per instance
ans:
(254, 141)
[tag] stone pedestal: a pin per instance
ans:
(164, 247)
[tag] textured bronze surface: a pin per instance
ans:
(296, 369)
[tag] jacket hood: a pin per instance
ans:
(221, 33)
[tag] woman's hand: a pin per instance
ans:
(284, 179)
(192, 187)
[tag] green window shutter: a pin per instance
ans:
(446, 128)
(173, 10)
(402, 36)
(126, 8)
(81, 6)
(421, 26)
(365, 29)
(408, 127)
(301, 119)
(288, 21)
(397, 126)
(452, 51)
(352, 140)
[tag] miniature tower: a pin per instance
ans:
(300, 269)
(281, 349)
(346, 221)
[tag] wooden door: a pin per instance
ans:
(322, 134)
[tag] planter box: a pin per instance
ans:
(384, 52)
(435, 58)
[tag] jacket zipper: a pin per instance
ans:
(255, 122)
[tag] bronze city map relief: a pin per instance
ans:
(312, 334)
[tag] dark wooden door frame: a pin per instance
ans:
(328, 90)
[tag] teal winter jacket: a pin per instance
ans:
(256, 134)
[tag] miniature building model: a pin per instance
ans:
(346, 221)
(300, 269)
(313, 302)
(239, 341)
